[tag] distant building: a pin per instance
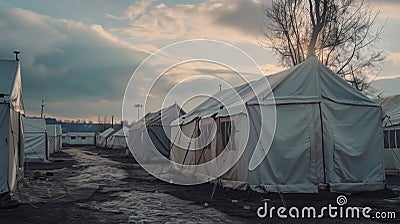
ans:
(83, 133)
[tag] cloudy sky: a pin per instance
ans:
(78, 56)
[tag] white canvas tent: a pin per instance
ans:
(391, 131)
(157, 126)
(103, 137)
(54, 137)
(326, 133)
(117, 140)
(11, 125)
(35, 140)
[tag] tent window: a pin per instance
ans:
(73, 137)
(83, 137)
(392, 139)
(386, 139)
(206, 135)
(225, 128)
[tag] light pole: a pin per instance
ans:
(138, 106)
(41, 111)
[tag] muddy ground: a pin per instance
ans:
(89, 185)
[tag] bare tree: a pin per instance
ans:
(342, 34)
(103, 121)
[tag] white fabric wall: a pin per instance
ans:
(35, 140)
(11, 125)
(117, 140)
(5, 163)
(54, 137)
(353, 141)
(294, 161)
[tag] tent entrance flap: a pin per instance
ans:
(351, 139)
(294, 161)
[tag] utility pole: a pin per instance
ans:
(220, 87)
(138, 106)
(112, 121)
(41, 112)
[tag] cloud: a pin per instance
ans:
(389, 9)
(387, 86)
(80, 61)
(67, 61)
(231, 21)
(393, 57)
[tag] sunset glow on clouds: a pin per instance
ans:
(79, 55)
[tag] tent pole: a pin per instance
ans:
(213, 192)
(187, 150)
(322, 141)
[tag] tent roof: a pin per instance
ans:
(388, 103)
(308, 81)
(165, 115)
(52, 121)
(34, 125)
(90, 134)
(10, 84)
(79, 127)
(120, 132)
(106, 132)
(394, 116)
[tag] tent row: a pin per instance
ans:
(153, 130)
(326, 134)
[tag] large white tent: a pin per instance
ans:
(11, 125)
(54, 137)
(391, 132)
(327, 133)
(35, 140)
(117, 140)
(102, 138)
(157, 126)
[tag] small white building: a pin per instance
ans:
(80, 138)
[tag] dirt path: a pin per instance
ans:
(81, 186)
(87, 188)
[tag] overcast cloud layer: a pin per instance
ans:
(79, 55)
